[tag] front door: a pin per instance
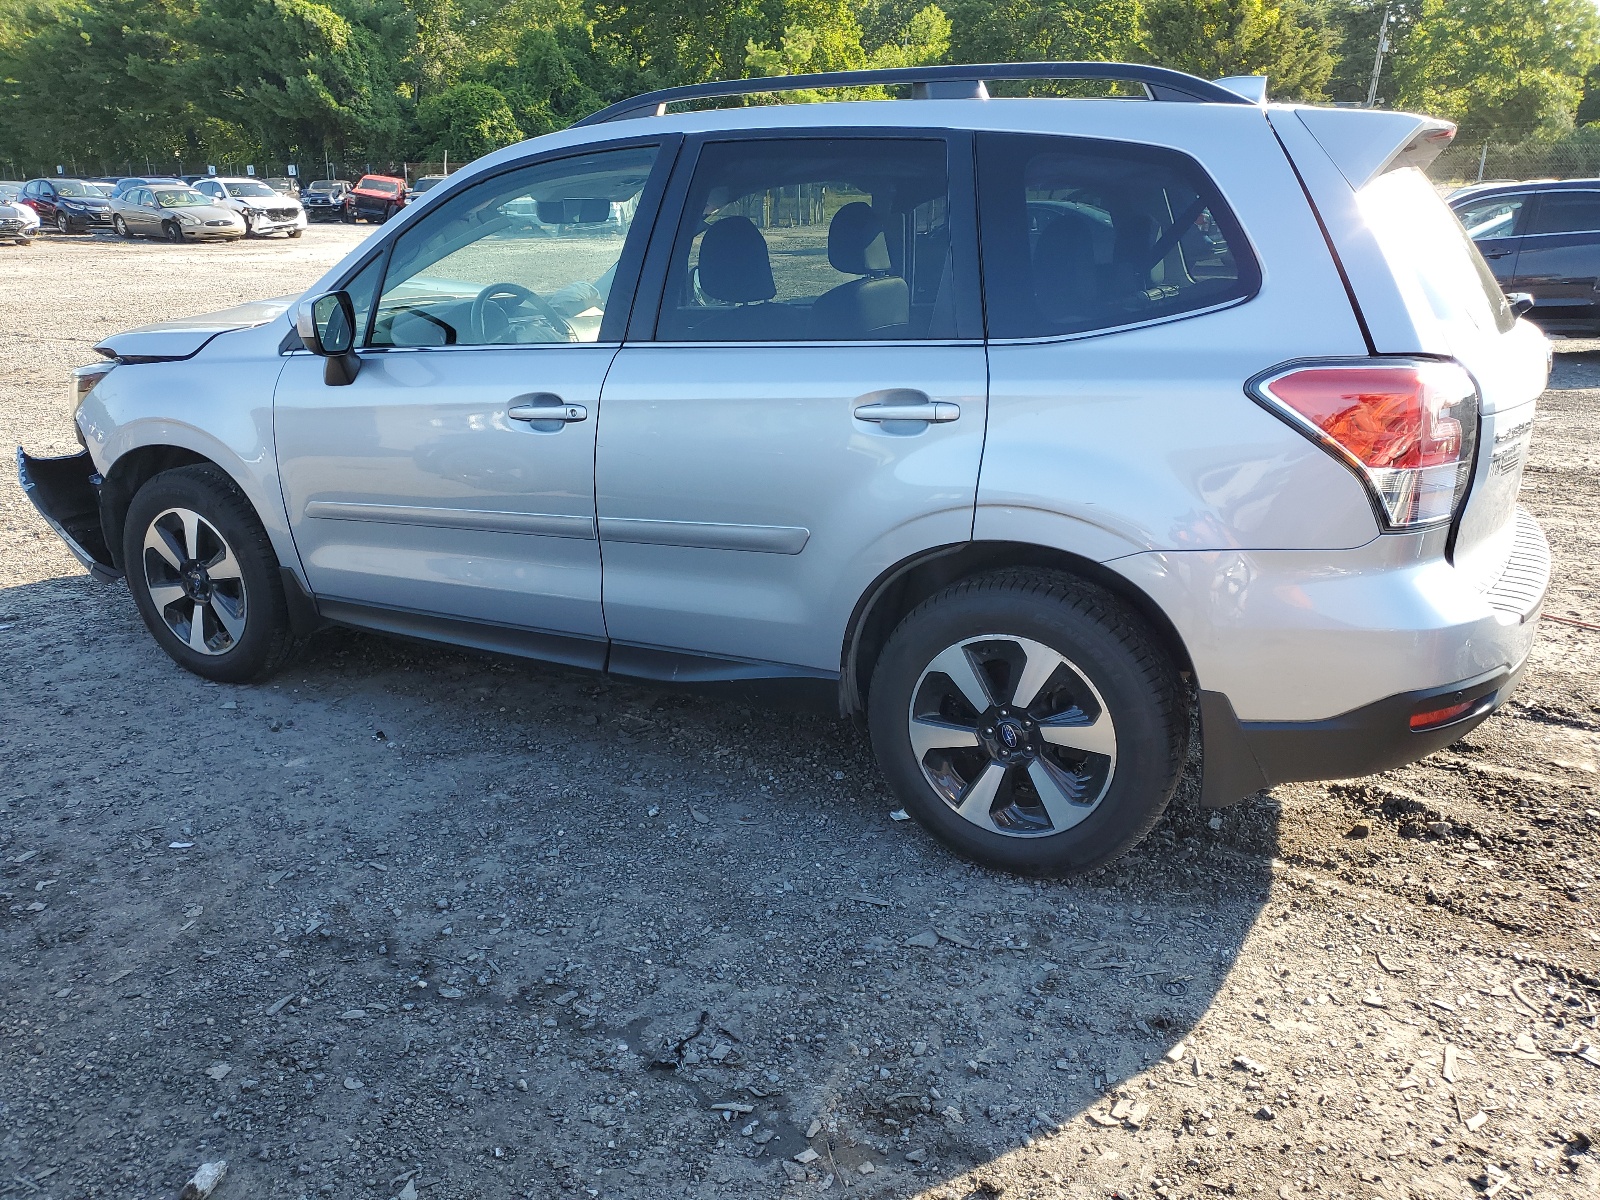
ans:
(1495, 224)
(806, 407)
(453, 480)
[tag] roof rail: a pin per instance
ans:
(928, 83)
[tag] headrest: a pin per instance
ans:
(1064, 277)
(855, 241)
(734, 266)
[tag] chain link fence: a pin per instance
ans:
(1576, 156)
(303, 170)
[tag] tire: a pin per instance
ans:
(120, 227)
(249, 225)
(193, 545)
(63, 223)
(173, 232)
(1105, 735)
(294, 233)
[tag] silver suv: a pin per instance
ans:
(1039, 431)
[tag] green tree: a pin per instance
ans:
(1287, 41)
(1038, 30)
(467, 121)
(1499, 67)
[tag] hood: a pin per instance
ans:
(86, 201)
(186, 337)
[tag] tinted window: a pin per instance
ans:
(1567, 212)
(813, 239)
(526, 257)
(1494, 217)
(1080, 235)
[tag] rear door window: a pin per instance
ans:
(1566, 212)
(1081, 235)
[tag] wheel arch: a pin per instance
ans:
(908, 583)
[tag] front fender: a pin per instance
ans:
(216, 406)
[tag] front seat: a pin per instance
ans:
(736, 269)
(869, 305)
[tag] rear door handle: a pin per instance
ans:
(933, 411)
(548, 411)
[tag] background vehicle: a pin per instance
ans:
(375, 198)
(263, 209)
(324, 199)
(18, 222)
(421, 184)
(175, 212)
(119, 186)
(10, 190)
(70, 205)
(285, 185)
(1541, 238)
(893, 418)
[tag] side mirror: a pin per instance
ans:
(327, 326)
(1521, 302)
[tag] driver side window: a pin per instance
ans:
(524, 258)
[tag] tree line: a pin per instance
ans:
(388, 80)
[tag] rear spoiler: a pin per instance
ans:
(1364, 143)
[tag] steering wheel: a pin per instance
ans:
(515, 291)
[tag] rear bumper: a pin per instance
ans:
(1244, 757)
(66, 491)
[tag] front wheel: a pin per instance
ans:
(1030, 721)
(294, 233)
(204, 576)
(63, 223)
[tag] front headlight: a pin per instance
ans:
(84, 380)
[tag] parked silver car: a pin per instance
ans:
(174, 211)
(1216, 413)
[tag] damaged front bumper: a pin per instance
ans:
(66, 491)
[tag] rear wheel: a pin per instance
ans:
(120, 227)
(1030, 721)
(204, 577)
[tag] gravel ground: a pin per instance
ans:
(412, 922)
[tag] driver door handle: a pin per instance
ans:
(549, 411)
(935, 411)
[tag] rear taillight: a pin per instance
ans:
(1407, 427)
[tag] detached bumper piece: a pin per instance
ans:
(1245, 757)
(66, 491)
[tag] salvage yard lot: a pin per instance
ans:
(406, 916)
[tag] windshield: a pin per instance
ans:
(1425, 243)
(386, 186)
(74, 187)
(426, 182)
(175, 198)
(322, 185)
(250, 188)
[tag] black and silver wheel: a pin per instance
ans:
(204, 576)
(120, 227)
(63, 223)
(1030, 721)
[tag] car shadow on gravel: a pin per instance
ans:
(520, 931)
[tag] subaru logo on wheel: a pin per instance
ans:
(1009, 735)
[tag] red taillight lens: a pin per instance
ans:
(1436, 717)
(1407, 426)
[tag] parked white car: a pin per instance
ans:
(18, 222)
(264, 209)
(1034, 432)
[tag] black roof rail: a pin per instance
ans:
(928, 83)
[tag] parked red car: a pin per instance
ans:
(375, 198)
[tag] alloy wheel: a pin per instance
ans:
(1012, 735)
(194, 581)
(63, 225)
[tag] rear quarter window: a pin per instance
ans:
(1081, 235)
(1426, 246)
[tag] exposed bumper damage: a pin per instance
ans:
(66, 491)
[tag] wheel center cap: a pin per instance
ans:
(1009, 737)
(196, 582)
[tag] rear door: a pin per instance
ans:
(803, 409)
(1496, 225)
(1559, 260)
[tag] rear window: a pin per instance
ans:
(1430, 251)
(1567, 212)
(1081, 235)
